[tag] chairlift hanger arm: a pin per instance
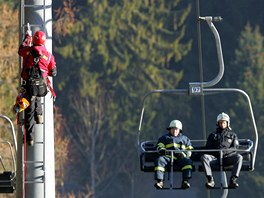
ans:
(220, 74)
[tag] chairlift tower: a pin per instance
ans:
(36, 164)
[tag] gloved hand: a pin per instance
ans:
(27, 40)
(162, 152)
(54, 71)
(29, 32)
(179, 155)
(15, 109)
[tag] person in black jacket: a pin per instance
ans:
(222, 138)
(174, 140)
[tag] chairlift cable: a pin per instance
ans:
(199, 38)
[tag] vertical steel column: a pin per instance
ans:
(19, 174)
(40, 169)
(35, 175)
(34, 164)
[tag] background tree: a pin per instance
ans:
(248, 63)
(123, 50)
(111, 53)
(8, 59)
(109, 50)
(61, 152)
(8, 78)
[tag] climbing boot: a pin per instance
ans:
(39, 119)
(30, 141)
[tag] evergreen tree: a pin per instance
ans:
(249, 61)
(117, 51)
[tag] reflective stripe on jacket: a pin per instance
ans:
(170, 142)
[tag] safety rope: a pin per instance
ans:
(24, 158)
(51, 89)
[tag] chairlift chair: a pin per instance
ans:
(8, 175)
(247, 147)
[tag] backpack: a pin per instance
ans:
(38, 85)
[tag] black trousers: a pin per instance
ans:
(32, 111)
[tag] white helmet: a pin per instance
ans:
(175, 124)
(225, 117)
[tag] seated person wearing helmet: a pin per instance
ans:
(222, 138)
(174, 140)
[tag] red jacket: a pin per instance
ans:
(46, 63)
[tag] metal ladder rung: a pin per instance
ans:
(36, 6)
(33, 25)
(38, 142)
(33, 162)
(34, 182)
